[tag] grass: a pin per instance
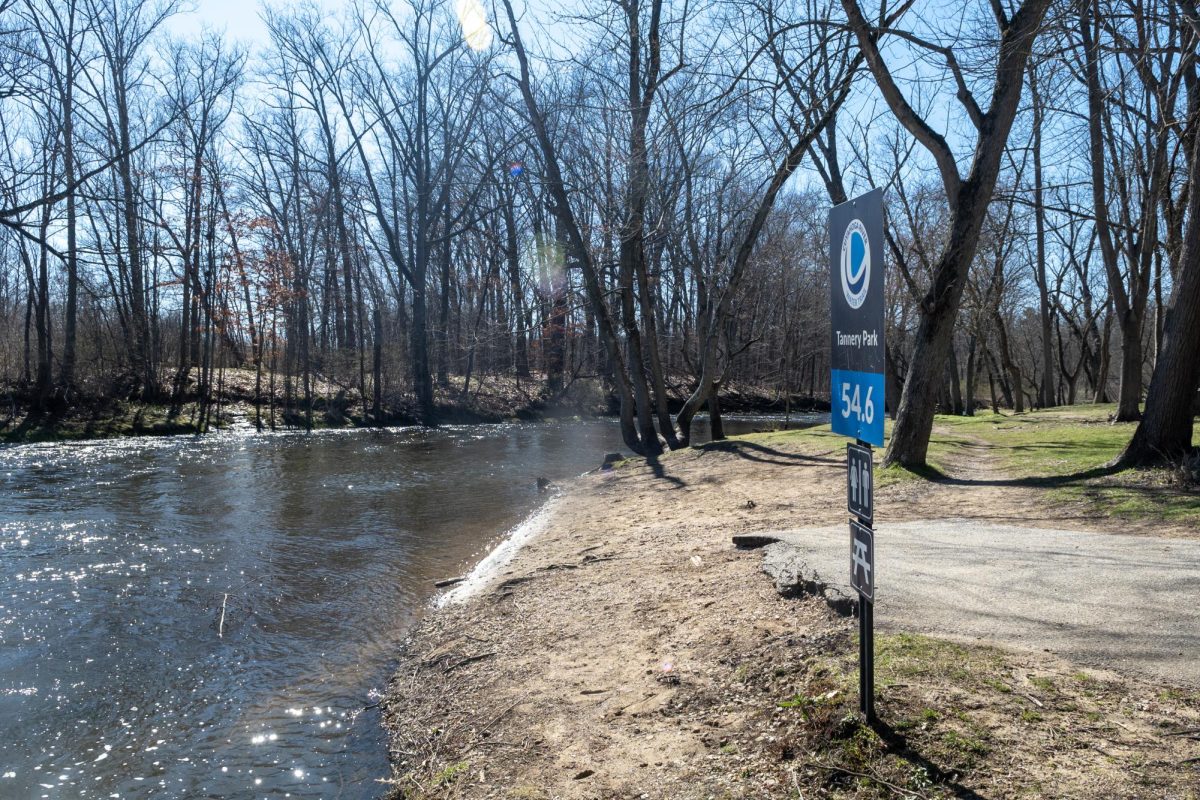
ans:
(451, 773)
(1067, 450)
(1063, 451)
(902, 657)
(1040, 444)
(942, 718)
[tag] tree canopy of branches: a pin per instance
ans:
(383, 204)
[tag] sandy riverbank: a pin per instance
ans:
(629, 650)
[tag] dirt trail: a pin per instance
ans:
(583, 646)
(977, 487)
(630, 651)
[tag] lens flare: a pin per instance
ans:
(473, 19)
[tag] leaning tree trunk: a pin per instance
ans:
(956, 398)
(578, 250)
(968, 201)
(1104, 357)
(1011, 369)
(969, 399)
(909, 444)
(1165, 431)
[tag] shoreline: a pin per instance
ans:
(494, 400)
(489, 567)
(616, 644)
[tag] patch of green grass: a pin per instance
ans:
(1040, 444)
(998, 685)
(451, 773)
(1029, 715)
(1043, 683)
(1067, 451)
(1156, 499)
(967, 745)
(807, 703)
(901, 656)
(526, 793)
(1064, 451)
(818, 436)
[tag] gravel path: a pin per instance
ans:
(1130, 604)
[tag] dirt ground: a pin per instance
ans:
(631, 651)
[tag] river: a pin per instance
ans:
(214, 616)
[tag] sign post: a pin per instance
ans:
(856, 385)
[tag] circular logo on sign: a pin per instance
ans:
(856, 264)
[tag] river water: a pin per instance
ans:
(209, 617)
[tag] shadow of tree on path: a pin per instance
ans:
(661, 474)
(753, 451)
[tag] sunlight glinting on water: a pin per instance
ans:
(211, 616)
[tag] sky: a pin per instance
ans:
(238, 18)
(241, 20)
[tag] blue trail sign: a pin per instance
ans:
(856, 395)
(856, 317)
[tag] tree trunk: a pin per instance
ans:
(968, 200)
(1129, 394)
(377, 367)
(716, 426)
(892, 382)
(443, 322)
(512, 257)
(143, 364)
(1011, 368)
(956, 398)
(1129, 303)
(422, 377)
(71, 312)
(1104, 354)
(969, 400)
(1165, 432)
(996, 375)
(1046, 398)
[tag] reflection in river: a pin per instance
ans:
(207, 617)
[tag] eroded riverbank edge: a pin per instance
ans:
(628, 649)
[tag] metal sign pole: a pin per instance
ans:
(866, 604)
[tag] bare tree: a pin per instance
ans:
(968, 198)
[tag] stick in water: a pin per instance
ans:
(221, 625)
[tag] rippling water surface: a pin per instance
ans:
(209, 617)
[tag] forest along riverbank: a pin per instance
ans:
(243, 401)
(208, 616)
(629, 650)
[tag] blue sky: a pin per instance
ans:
(238, 18)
